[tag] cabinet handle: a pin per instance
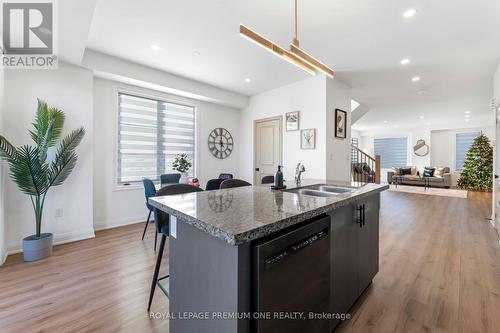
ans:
(360, 217)
(364, 215)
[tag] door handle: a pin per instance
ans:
(496, 176)
(257, 169)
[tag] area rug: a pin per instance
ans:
(430, 191)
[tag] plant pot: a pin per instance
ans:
(37, 248)
(184, 178)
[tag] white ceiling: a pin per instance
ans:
(454, 46)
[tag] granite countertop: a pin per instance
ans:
(242, 214)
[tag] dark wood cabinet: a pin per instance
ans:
(354, 252)
(368, 243)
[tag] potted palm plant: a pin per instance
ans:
(34, 174)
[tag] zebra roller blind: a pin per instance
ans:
(393, 152)
(151, 133)
(463, 141)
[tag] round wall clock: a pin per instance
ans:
(220, 143)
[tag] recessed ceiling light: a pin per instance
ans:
(409, 13)
(421, 117)
(405, 61)
(416, 79)
(467, 112)
(155, 47)
(248, 80)
(385, 121)
(467, 116)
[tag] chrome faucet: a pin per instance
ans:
(298, 172)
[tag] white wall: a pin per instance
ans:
(117, 206)
(306, 96)
(316, 98)
(495, 205)
(3, 251)
(338, 150)
(70, 89)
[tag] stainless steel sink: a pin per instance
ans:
(314, 193)
(331, 189)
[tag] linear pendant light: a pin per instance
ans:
(276, 49)
(296, 55)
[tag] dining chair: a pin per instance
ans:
(162, 220)
(226, 176)
(149, 191)
(170, 178)
(214, 184)
(230, 183)
(267, 180)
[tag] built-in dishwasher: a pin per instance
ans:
(291, 280)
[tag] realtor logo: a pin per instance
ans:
(28, 34)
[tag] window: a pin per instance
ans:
(151, 133)
(463, 141)
(393, 152)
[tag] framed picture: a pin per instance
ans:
(340, 124)
(292, 121)
(308, 138)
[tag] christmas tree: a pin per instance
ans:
(477, 173)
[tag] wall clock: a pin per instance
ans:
(220, 143)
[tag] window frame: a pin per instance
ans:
(408, 157)
(118, 186)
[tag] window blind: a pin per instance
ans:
(151, 134)
(393, 152)
(463, 141)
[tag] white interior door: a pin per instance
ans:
(267, 147)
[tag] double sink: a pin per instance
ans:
(322, 190)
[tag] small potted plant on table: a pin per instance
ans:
(182, 164)
(35, 175)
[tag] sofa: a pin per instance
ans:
(415, 178)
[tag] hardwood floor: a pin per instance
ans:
(439, 272)
(97, 285)
(439, 268)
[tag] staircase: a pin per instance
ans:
(364, 168)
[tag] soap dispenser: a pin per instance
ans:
(278, 179)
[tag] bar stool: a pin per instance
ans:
(162, 220)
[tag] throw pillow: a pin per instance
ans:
(429, 172)
(439, 172)
(413, 171)
(405, 171)
(397, 171)
(366, 168)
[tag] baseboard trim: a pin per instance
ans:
(68, 237)
(103, 225)
(3, 257)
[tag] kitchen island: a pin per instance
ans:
(249, 259)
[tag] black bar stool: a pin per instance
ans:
(162, 220)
